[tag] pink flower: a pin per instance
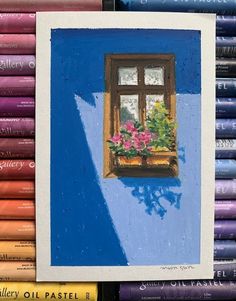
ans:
(129, 126)
(116, 139)
(138, 145)
(145, 137)
(127, 145)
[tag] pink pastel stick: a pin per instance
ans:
(49, 5)
(16, 127)
(17, 86)
(17, 23)
(17, 106)
(17, 64)
(17, 43)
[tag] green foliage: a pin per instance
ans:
(162, 126)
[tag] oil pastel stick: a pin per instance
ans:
(225, 148)
(17, 23)
(226, 67)
(226, 7)
(17, 230)
(17, 65)
(226, 47)
(22, 291)
(17, 127)
(17, 251)
(225, 169)
(17, 107)
(17, 85)
(17, 190)
(225, 107)
(17, 43)
(226, 128)
(226, 87)
(225, 271)
(17, 169)
(50, 5)
(225, 209)
(224, 249)
(17, 271)
(225, 229)
(225, 189)
(178, 290)
(225, 25)
(17, 209)
(16, 148)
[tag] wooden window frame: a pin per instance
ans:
(112, 107)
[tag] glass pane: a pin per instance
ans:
(154, 76)
(129, 108)
(128, 76)
(151, 100)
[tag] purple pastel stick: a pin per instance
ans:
(17, 106)
(178, 290)
(16, 127)
(225, 189)
(17, 64)
(17, 86)
(224, 270)
(225, 229)
(225, 209)
(224, 249)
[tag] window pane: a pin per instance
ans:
(151, 100)
(154, 76)
(129, 108)
(128, 76)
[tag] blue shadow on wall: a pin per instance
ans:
(85, 207)
(155, 196)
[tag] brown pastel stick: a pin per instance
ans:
(17, 250)
(17, 190)
(17, 271)
(17, 230)
(17, 209)
(16, 148)
(17, 169)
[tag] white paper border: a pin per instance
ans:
(47, 21)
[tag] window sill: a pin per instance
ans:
(160, 164)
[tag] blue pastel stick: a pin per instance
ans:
(221, 7)
(225, 148)
(226, 26)
(225, 169)
(225, 128)
(226, 87)
(225, 107)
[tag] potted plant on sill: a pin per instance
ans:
(131, 144)
(163, 128)
(152, 146)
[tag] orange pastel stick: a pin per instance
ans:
(16, 189)
(17, 209)
(17, 230)
(17, 271)
(17, 250)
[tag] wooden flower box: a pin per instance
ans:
(160, 164)
(164, 158)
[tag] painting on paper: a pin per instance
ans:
(125, 146)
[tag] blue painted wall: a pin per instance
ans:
(127, 221)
